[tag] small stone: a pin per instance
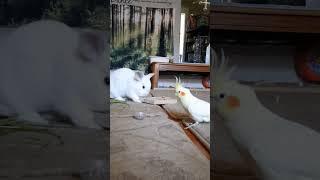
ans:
(139, 115)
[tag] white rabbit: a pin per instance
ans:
(127, 83)
(48, 66)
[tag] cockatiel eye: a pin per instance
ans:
(222, 95)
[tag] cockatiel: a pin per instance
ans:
(283, 150)
(197, 108)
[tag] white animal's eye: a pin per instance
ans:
(221, 95)
(106, 80)
(143, 87)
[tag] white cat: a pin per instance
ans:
(46, 65)
(127, 83)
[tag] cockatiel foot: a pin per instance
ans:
(191, 125)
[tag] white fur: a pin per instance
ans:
(124, 85)
(46, 65)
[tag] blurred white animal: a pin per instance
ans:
(48, 66)
(198, 109)
(127, 83)
(283, 150)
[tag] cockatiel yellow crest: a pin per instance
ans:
(198, 109)
(283, 149)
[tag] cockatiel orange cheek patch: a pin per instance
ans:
(182, 93)
(233, 102)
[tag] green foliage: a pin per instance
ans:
(80, 13)
(77, 13)
(129, 57)
(10, 125)
(114, 101)
(98, 18)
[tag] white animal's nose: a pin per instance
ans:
(106, 80)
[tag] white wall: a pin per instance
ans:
(269, 63)
(189, 81)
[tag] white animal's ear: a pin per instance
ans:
(138, 76)
(91, 45)
(150, 75)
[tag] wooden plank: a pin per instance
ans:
(250, 22)
(176, 67)
(268, 20)
(264, 9)
(230, 177)
(159, 100)
(264, 19)
(51, 178)
(184, 67)
(155, 78)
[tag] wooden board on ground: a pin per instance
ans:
(176, 111)
(64, 152)
(159, 100)
(152, 148)
(57, 153)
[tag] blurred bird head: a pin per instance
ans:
(229, 96)
(181, 91)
